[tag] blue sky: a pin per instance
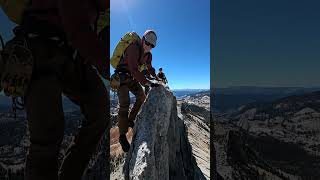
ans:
(266, 43)
(183, 29)
(5, 26)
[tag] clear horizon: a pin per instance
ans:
(264, 86)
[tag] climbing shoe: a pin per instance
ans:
(131, 124)
(124, 143)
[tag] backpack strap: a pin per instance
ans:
(2, 42)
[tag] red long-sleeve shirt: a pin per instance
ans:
(132, 58)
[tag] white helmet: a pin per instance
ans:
(151, 37)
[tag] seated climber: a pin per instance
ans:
(162, 76)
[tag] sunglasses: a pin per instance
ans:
(149, 44)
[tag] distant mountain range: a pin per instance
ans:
(278, 139)
(222, 99)
(184, 92)
(179, 93)
(229, 99)
(262, 90)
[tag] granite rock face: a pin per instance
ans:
(160, 148)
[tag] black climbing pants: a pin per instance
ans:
(56, 73)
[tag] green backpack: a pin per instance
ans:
(122, 45)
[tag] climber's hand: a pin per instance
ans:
(151, 84)
(154, 85)
(150, 78)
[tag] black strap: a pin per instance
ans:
(2, 42)
(96, 22)
(41, 11)
(121, 68)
